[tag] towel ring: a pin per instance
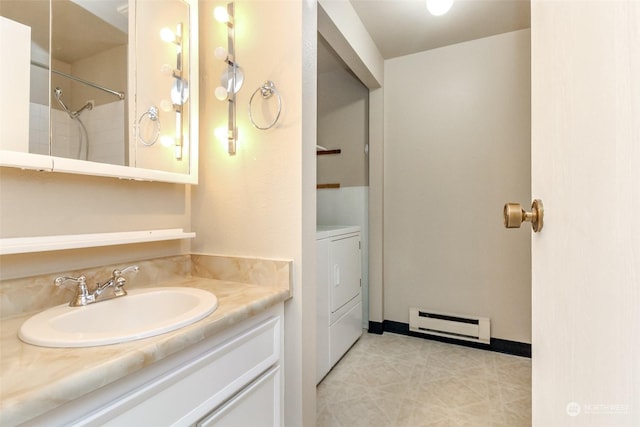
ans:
(152, 113)
(266, 91)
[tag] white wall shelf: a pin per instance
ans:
(19, 245)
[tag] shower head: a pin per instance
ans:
(58, 94)
(87, 106)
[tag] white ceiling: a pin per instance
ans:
(403, 27)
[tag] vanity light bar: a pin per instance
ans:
(178, 107)
(227, 17)
(176, 38)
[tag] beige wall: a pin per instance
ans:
(43, 203)
(261, 202)
(343, 123)
(457, 147)
(107, 68)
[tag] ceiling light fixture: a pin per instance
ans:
(439, 7)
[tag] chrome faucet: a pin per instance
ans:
(83, 297)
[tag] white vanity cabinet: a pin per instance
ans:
(234, 378)
(339, 294)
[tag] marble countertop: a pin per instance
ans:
(34, 380)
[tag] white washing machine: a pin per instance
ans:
(339, 294)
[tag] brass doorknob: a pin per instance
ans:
(514, 215)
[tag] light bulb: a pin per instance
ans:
(221, 134)
(166, 105)
(167, 141)
(166, 69)
(221, 93)
(167, 35)
(221, 15)
(220, 53)
(439, 7)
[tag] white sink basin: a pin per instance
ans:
(140, 314)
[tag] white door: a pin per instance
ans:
(586, 169)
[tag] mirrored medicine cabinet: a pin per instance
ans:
(100, 87)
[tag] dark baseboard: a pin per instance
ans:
(498, 345)
(511, 347)
(375, 328)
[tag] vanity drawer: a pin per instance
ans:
(256, 406)
(194, 389)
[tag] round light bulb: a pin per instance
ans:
(220, 53)
(167, 141)
(439, 7)
(167, 35)
(221, 15)
(166, 69)
(166, 105)
(221, 93)
(221, 133)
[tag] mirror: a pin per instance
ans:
(162, 91)
(88, 81)
(107, 89)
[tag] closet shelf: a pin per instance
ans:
(321, 186)
(321, 152)
(19, 245)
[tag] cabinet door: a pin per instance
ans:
(256, 406)
(344, 258)
(183, 395)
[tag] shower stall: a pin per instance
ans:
(88, 132)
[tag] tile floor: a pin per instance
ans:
(393, 380)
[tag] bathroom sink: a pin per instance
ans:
(140, 314)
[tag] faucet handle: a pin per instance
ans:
(82, 296)
(119, 281)
(131, 268)
(80, 280)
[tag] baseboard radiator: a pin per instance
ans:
(467, 328)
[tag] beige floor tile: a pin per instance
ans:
(326, 419)
(393, 380)
(359, 412)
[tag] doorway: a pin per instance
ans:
(342, 153)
